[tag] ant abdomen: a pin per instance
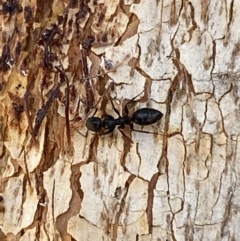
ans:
(146, 116)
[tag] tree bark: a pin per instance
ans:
(63, 62)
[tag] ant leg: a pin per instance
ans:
(104, 93)
(93, 107)
(114, 108)
(82, 133)
(85, 135)
(141, 131)
(120, 129)
(127, 104)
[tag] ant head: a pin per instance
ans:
(94, 124)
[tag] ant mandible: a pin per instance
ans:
(142, 117)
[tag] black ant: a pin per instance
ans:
(143, 117)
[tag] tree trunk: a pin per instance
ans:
(63, 62)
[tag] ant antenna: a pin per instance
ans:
(126, 109)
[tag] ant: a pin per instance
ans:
(142, 117)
